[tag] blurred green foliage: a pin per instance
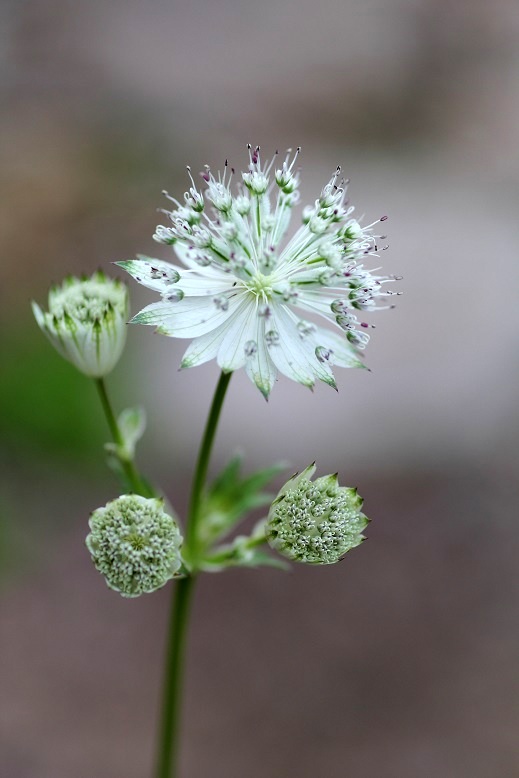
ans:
(52, 432)
(47, 407)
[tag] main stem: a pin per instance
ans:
(172, 693)
(203, 463)
(169, 728)
(128, 465)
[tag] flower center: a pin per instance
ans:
(136, 541)
(260, 286)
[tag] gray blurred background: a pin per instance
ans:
(401, 661)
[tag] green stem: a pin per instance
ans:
(224, 553)
(203, 463)
(172, 694)
(128, 465)
(258, 216)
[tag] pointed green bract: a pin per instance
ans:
(230, 497)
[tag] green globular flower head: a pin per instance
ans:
(315, 522)
(86, 322)
(134, 544)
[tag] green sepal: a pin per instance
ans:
(230, 497)
(132, 424)
(183, 571)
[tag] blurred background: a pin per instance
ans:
(402, 661)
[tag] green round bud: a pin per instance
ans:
(315, 522)
(86, 322)
(134, 544)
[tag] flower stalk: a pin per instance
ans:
(167, 759)
(192, 540)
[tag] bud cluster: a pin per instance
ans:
(315, 522)
(134, 544)
(86, 322)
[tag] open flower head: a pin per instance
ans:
(134, 544)
(86, 322)
(246, 295)
(315, 522)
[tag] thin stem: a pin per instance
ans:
(128, 465)
(172, 693)
(203, 463)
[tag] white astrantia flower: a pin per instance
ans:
(86, 322)
(247, 297)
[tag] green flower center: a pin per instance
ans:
(260, 286)
(136, 541)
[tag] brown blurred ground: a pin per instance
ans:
(402, 661)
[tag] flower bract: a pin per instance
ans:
(246, 295)
(86, 322)
(134, 544)
(315, 522)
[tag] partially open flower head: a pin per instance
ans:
(249, 298)
(86, 322)
(134, 544)
(315, 522)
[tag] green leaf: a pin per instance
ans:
(242, 552)
(257, 559)
(230, 497)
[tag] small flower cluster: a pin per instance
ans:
(134, 544)
(86, 322)
(315, 522)
(244, 298)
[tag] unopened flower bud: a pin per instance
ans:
(134, 544)
(315, 522)
(86, 322)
